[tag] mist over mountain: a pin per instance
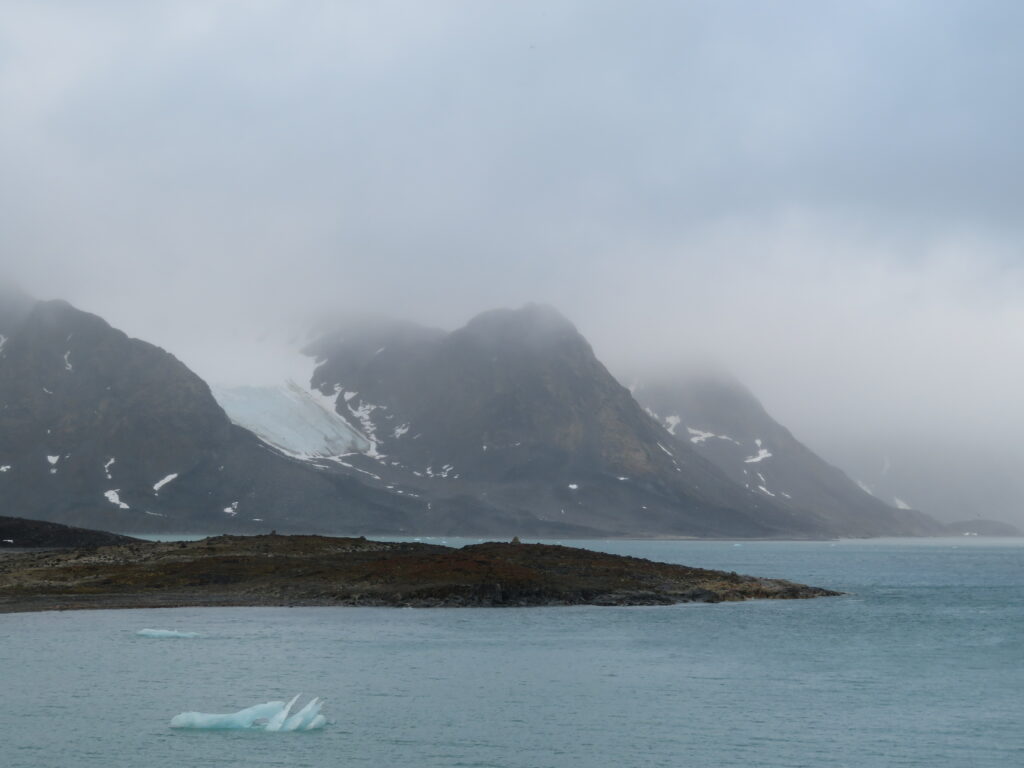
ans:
(106, 431)
(727, 424)
(507, 425)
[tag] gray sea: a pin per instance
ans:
(921, 664)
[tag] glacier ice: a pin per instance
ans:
(298, 421)
(162, 633)
(273, 716)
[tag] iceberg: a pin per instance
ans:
(161, 633)
(273, 716)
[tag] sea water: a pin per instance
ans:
(921, 664)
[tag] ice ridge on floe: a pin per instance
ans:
(273, 716)
(161, 633)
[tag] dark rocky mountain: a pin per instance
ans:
(509, 425)
(514, 414)
(722, 419)
(101, 430)
(19, 533)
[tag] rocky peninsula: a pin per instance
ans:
(273, 570)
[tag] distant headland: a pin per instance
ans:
(273, 570)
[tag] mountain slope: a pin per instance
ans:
(721, 418)
(101, 430)
(514, 411)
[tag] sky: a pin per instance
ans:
(823, 197)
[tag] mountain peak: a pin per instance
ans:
(535, 324)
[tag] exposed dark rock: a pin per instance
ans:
(101, 430)
(16, 532)
(725, 423)
(313, 570)
(513, 416)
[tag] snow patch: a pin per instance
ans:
(161, 483)
(765, 490)
(67, 363)
(115, 499)
(671, 422)
(53, 463)
(698, 436)
(107, 466)
(865, 487)
(666, 450)
(900, 503)
(5, 468)
(3, 342)
(399, 431)
(363, 414)
(231, 509)
(573, 486)
(762, 454)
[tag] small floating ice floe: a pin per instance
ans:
(274, 716)
(162, 633)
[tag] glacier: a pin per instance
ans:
(272, 716)
(299, 422)
(164, 633)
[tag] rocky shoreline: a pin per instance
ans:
(273, 570)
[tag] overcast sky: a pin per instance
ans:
(824, 196)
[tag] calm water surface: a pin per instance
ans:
(922, 664)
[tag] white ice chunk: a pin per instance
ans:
(107, 466)
(3, 341)
(67, 363)
(272, 716)
(5, 468)
(232, 509)
(161, 483)
(304, 719)
(573, 486)
(166, 633)
(252, 717)
(114, 498)
(278, 720)
(765, 490)
(399, 431)
(53, 459)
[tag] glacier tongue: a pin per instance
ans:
(292, 419)
(273, 716)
